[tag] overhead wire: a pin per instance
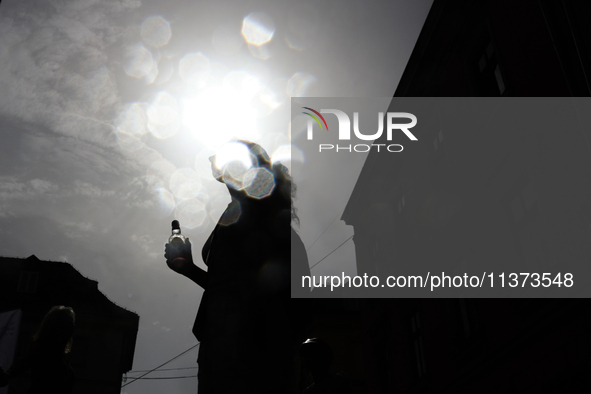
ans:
(332, 252)
(163, 369)
(168, 377)
(313, 243)
(161, 365)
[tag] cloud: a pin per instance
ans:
(5, 213)
(57, 71)
(77, 230)
(41, 186)
(37, 195)
(12, 189)
(48, 58)
(89, 190)
(147, 244)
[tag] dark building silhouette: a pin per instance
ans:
(410, 207)
(492, 48)
(105, 335)
(464, 49)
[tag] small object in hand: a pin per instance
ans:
(176, 239)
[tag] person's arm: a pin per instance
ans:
(196, 274)
(180, 260)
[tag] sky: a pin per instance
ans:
(109, 110)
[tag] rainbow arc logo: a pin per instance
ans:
(344, 130)
(315, 118)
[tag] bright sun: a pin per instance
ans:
(221, 113)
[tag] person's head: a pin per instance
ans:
(57, 327)
(317, 356)
(248, 172)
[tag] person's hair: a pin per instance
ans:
(57, 327)
(285, 190)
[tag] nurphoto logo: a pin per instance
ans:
(344, 132)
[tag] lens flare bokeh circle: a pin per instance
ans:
(258, 28)
(155, 31)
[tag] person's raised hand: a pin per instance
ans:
(179, 257)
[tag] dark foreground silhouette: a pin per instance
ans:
(46, 359)
(243, 321)
(317, 357)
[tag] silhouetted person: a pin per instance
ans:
(243, 319)
(317, 357)
(47, 357)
